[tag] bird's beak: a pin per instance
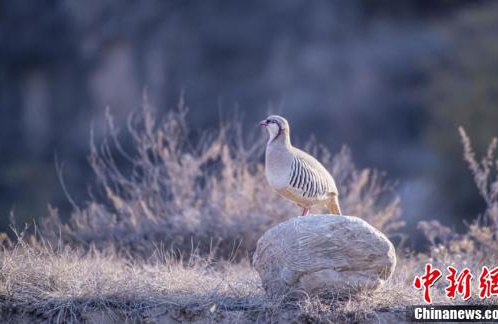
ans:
(263, 123)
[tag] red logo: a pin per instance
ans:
(488, 282)
(427, 281)
(458, 282)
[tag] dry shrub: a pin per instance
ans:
(204, 196)
(482, 236)
(486, 179)
(479, 245)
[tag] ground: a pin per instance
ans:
(51, 284)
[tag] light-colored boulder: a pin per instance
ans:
(323, 253)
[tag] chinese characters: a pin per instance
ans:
(459, 283)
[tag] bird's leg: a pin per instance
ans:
(306, 211)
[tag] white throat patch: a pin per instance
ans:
(273, 130)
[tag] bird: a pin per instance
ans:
(293, 173)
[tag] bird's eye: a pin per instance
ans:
(269, 121)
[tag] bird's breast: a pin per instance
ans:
(277, 168)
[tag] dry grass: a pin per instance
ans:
(62, 284)
(59, 285)
(66, 285)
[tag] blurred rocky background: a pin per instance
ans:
(392, 79)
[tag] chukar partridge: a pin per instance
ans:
(295, 174)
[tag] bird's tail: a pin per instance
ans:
(333, 205)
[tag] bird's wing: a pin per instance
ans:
(309, 178)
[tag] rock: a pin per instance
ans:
(323, 254)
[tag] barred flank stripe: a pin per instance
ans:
(311, 192)
(300, 174)
(293, 173)
(307, 176)
(307, 180)
(313, 185)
